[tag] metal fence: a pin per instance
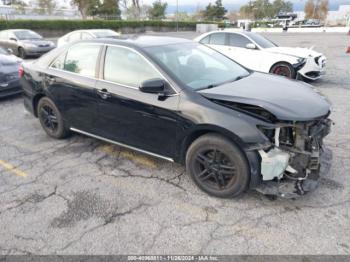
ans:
(35, 13)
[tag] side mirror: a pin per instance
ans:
(13, 39)
(9, 51)
(250, 46)
(153, 86)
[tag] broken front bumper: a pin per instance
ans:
(314, 68)
(298, 159)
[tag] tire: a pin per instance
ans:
(217, 166)
(22, 53)
(51, 119)
(283, 69)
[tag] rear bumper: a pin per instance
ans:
(10, 88)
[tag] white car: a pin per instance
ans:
(86, 35)
(260, 54)
(9, 54)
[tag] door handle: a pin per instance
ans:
(103, 93)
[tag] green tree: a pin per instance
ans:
(157, 11)
(108, 8)
(259, 9)
(316, 9)
(86, 7)
(46, 6)
(20, 6)
(215, 12)
(279, 6)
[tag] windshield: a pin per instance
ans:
(26, 34)
(261, 41)
(105, 33)
(196, 65)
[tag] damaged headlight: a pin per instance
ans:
(283, 134)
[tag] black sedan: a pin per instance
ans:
(184, 102)
(9, 75)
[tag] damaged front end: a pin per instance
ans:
(291, 167)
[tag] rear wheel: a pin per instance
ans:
(22, 53)
(51, 119)
(283, 69)
(217, 166)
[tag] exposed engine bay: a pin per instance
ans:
(292, 165)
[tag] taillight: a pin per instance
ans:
(21, 71)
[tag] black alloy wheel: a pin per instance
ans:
(47, 114)
(218, 166)
(51, 119)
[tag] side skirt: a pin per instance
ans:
(121, 144)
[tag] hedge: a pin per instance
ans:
(91, 24)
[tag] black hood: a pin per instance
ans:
(286, 99)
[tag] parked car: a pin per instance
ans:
(184, 102)
(86, 35)
(9, 76)
(25, 43)
(260, 54)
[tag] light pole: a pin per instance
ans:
(177, 15)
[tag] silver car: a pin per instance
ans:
(25, 43)
(78, 35)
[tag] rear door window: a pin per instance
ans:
(205, 40)
(82, 59)
(217, 39)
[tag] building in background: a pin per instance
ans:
(339, 17)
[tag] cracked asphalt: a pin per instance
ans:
(84, 196)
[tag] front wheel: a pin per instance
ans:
(217, 166)
(51, 119)
(283, 69)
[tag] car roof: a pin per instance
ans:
(141, 41)
(234, 31)
(90, 30)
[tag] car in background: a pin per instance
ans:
(24, 43)
(260, 54)
(9, 73)
(9, 53)
(86, 35)
(184, 102)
